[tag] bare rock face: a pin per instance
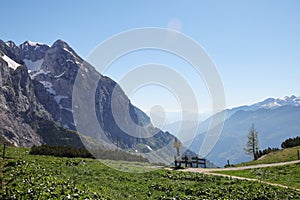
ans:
(32, 51)
(16, 132)
(37, 85)
(19, 106)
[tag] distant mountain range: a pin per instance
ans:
(274, 119)
(36, 102)
(270, 103)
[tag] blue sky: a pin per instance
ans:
(254, 44)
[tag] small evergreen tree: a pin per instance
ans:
(252, 143)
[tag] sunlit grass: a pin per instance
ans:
(288, 175)
(45, 177)
(284, 155)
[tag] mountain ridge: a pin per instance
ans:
(51, 73)
(274, 126)
(272, 103)
(237, 122)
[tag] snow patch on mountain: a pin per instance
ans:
(60, 75)
(39, 72)
(33, 65)
(69, 60)
(70, 52)
(66, 126)
(58, 98)
(33, 44)
(149, 148)
(11, 63)
(48, 87)
(10, 44)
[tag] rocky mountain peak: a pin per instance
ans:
(60, 59)
(28, 44)
(45, 90)
(31, 52)
(11, 44)
(11, 50)
(62, 48)
(60, 43)
(3, 44)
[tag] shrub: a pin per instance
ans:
(60, 151)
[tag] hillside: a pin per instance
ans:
(274, 168)
(283, 155)
(45, 177)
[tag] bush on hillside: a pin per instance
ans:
(60, 151)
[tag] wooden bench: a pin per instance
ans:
(188, 161)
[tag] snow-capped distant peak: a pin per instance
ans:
(272, 103)
(10, 43)
(292, 101)
(32, 44)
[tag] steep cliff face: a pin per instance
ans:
(57, 74)
(38, 83)
(18, 105)
(134, 129)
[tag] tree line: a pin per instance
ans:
(261, 153)
(291, 142)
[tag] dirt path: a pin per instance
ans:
(213, 171)
(210, 170)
